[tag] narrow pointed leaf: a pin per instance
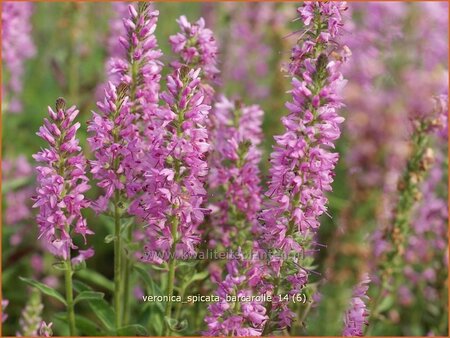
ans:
(44, 289)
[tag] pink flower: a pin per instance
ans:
(356, 315)
(196, 46)
(114, 142)
(121, 131)
(17, 47)
(83, 256)
(45, 330)
(302, 162)
(173, 187)
(235, 159)
(139, 43)
(234, 163)
(228, 319)
(5, 303)
(62, 182)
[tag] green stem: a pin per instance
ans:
(171, 275)
(69, 298)
(178, 307)
(126, 286)
(117, 261)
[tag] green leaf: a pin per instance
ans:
(187, 263)
(198, 276)
(175, 325)
(44, 289)
(103, 311)
(124, 228)
(99, 306)
(60, 327)
(158, 268)
(61, 266)
(88, 295)
(157, 325)
(132, 330)
(87, 326)
(110, 238)
(151, 319)
(97, 279)
(385, 304)
(80, 286)
(171, 322)
(84, 325)
(151, 287)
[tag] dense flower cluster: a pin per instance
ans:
(17, 47)
(114, 143)
(240, 317)
(196, 47)
(356, 316)
(140, 67)
(179, 173)
(302, 164)
(62, 182)
(174, 187)
(31, 316)
(234, 166)
(234, 169)
(176, 163)
(130, 100)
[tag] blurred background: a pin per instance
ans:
(399, 62)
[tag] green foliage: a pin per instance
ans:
(44, 289)
(71, 44)
(88, 295)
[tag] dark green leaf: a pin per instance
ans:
(198, 276)
(44, 289)
(87, 326)
(93, 277)
(80, 286)
(88, 295)
(151, 287)
(103, 311)
(84, 325)
(132, 330)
